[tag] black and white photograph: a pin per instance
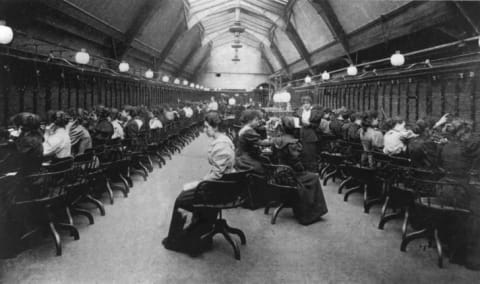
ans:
(239, 141)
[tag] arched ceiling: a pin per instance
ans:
(293, 36)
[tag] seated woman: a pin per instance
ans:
(249, 142)
(79, 136)
(28, 153)
(394, 141)
(371, 137)
(311, 205)
(183, 236)
(57, 140)
(460, 158)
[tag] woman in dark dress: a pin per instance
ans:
(460, 158)
(311, 205)
(248, 155)
(26, 159)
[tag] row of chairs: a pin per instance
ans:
(401, 190)
(60, 190)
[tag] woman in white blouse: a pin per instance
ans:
(57, 140)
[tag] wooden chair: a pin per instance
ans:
(282, 188)
(227, 193)
(433, 207)
(48, 194)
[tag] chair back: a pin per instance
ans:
(45, 187)
(60, 165)
(221, 194)
(441, 195)
(280, 175)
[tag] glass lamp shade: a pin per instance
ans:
(176, 81)
(325, 75)
(149, 74)
(231, 101)
(185, 82)
(352, 70)
(81, 57)
(276, 98)
(308, 79)
(165, 78)
(6, 33)
(192, 85)
(123, 67)
(397, 59)
(197, 86)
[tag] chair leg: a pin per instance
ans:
(405, 223)
(56, 238)
(238, 232)
(382, 222)
(344, 184)
(328, 176)
(109, 190)
(85, 213)
(236, 250)
(439, 248)
(350, 191)
(72, 229)
(276, 212)
(410, 237)
(125, 183)
(69, 215)
(97, 203)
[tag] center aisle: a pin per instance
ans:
(125, 245)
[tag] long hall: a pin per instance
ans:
(239, 141)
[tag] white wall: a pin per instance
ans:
(246, 74)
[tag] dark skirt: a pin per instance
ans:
(247, 162)
(311, 204)
(187, 238)
(309, 156)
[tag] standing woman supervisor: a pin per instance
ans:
(309, 118)
(185, 236)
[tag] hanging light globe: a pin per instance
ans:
(276, 97)
(123, 67)
(308, 79)
(286, 97)
(6, 33)
(232, 101)
(185, 82)
(352, 70)
(81, 57)
(397, 59)
(176, 81)
(149, 74)
(325, 76)
(197, 86)
(192, 85)
(165, 78)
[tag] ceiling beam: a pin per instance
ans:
(298, 43)
(265, 58)
(179, 70)
(325, 10)
(141, 20)
(179, 30)
(279, 56)
(465, 10)
(202, 61)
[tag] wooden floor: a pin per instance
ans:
(125, 245)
